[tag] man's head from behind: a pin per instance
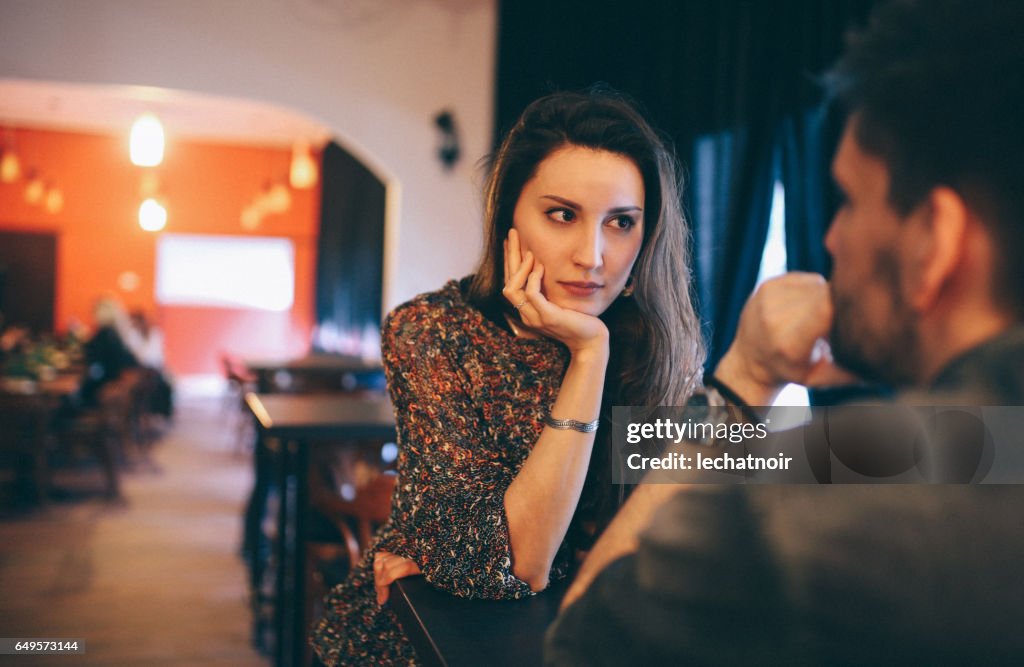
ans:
(932, 230)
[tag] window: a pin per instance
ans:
(225, 271)
(773, 263)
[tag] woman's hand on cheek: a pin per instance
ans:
(524, 278)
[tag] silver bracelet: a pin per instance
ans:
(570, 424)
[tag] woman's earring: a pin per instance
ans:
(628, 289)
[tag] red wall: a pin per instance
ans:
(205, 187)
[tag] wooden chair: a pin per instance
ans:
(240, 381)
(356, 520)
(365, 512)
(108, 431)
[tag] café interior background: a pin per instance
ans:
(370, 76)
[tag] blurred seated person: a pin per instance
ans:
(106, 354)
(12, 339)
(146, 342)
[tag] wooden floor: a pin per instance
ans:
(155, 581)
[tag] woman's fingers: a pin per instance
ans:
(524, 290)
(387, 567)
(515, 253)
(513, 290)
(537, 307)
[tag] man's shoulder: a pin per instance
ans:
(833, 511)
(991, 373)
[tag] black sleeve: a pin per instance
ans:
(700, 590)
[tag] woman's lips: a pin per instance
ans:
(580, 288)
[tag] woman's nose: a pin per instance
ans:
(588, 249)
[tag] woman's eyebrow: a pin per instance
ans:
(562, 200)
(573, 205)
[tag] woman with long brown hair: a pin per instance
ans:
(503, 382)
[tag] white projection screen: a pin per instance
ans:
(225, 271)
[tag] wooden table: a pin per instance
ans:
(324, 372)
(27, 411)
(450, 631)
(290, 425)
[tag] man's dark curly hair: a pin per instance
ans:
(936, 88)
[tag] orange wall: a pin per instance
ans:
(205, 187)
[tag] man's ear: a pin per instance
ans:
(938, 240)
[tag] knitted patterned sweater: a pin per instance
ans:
(469, 398)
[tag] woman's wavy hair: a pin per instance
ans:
(657, 351)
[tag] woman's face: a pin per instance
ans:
(581, 215)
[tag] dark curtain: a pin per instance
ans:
(350, 254)
(732, 84)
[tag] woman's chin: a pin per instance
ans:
(588, 306)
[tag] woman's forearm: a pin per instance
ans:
(541, 500)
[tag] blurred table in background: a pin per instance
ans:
(316, 372)
(28, 410)
(289, 426)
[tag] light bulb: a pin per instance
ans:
(261, 202)
(278, 198)
(251, 217)
(146, 144)
(35, 189)
(303, 173)
(152, 216)
(10, 167)
(54, 200)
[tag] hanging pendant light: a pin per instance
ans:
(278, 198)
(152, 215)
(35, 188)
(146, 143)
(10, 166)
(54, 201)
(251, 217)
(303, 173)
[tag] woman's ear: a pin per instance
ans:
(937, 244)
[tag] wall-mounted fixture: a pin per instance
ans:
(448, 151)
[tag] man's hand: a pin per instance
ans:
(387, 568)
(782, 337)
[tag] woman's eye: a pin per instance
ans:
(623, 222)
(561, 214)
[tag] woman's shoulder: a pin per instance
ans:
(436, 314)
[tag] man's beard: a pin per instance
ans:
(886, 351)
